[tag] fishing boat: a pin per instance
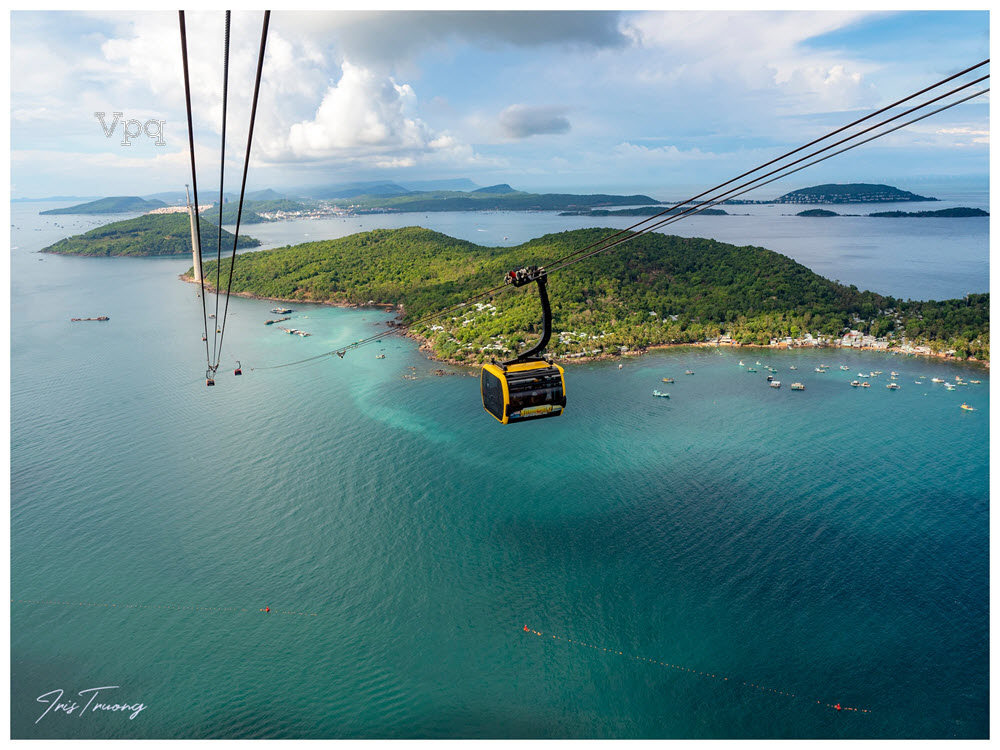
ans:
(280, 310)
(793, 367)
(668, 380)
(774, 384)
(936, 380)
(844, 367)
(741, 363)
(660, 394)
(866, 384)
(976, 382)
(689, 372)
(276, 320)
(819, 369)
(892, 387)
(967, 407)
(855, 383)
(797, 387)
(751, 369)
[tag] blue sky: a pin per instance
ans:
(657, 102)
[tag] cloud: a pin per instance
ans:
(522, 121)
(377, 38)
(977, 136)
(363, 113)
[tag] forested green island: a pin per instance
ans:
(961, 212)
(485, 199)
(852, 192)
(855, 192)
(656, 290)
(646, 211)
(946, 213)
(820, 213)
(117, 205)
(152, 234)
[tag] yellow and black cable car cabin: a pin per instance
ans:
(527, 387)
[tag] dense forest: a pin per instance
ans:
(657, 289)
(152, 234)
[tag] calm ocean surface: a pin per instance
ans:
(831, 544)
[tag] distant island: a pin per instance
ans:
(152, 234)
(817, 212)
(494, 198)
(660, 290)
(646, 211)
(945, 213)
(115, 205)
(855, 192)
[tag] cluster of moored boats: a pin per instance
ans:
(864, 381)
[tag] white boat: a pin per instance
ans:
(797, 387)
(658, 394)
(892, 387)
(844, 367)
(936, 380)
(774, 384)
(855, 383)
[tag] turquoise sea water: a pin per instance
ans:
(830, 543)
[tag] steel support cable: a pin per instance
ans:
(243, 185)
(780, 158)
(767, 174)
(222, 182)
(746, 187)
(194, 178)
(709, 204)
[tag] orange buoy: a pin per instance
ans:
(837, 707)
(525, 628)
(268, 609)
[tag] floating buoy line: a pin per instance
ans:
(712, 675)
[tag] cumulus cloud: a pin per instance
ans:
(364, 114)
(521, 121)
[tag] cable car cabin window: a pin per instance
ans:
(533, 390)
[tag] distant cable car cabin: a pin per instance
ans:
(528, 386)
(210, 377)
(239, 368)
